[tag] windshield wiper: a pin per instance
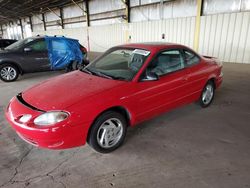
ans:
(101, 74)
(117, 77)
(97, 73)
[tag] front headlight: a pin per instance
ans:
(50, 118)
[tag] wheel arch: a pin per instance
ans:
(212, 79)
(13, 63)
(120, 109)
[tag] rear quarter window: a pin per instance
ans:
(191, 58)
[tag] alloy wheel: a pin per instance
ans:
(110, 133)
(8, 73)
(207, 94)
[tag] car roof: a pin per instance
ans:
(55, 36)
(152, 45)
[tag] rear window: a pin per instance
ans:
(58, 45)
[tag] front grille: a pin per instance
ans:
(22, 101)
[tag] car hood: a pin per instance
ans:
(63, 91)
(4, 52)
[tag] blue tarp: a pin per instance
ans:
(63, 51)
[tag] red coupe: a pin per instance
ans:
(128, 84)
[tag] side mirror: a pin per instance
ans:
(150, 76)
(27, 49)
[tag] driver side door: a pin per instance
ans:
(166, 93)
(35, 58)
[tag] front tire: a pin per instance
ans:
(207, 94)
(8, 73)
(108, 132)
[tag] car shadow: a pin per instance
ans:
(162, 120)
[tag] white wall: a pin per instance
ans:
(177, 30)
(226, 36)
(77, 33)
(222, 35)
(165, 10)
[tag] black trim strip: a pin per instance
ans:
(21, 100)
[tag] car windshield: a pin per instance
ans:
(118, 64)
(19, 44)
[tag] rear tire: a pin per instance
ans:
(75, 65)
(207, 94)
(8, 72)
(108, 132)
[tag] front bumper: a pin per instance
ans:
(65, 134)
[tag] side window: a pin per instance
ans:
(38, 45)
(166, 62)
(59, 45)
(191, 58)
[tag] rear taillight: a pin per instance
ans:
(83, 50)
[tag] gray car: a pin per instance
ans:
(27, 56)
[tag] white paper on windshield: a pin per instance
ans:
(141, 52)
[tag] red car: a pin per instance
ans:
(128, 84)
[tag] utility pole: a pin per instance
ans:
(197, 24)
(21, 25)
